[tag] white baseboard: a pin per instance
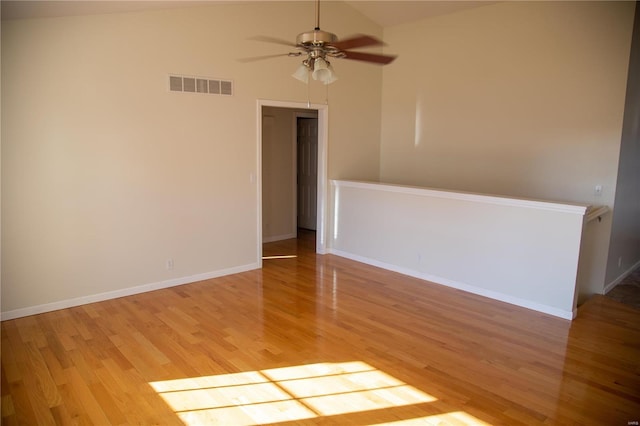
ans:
(550, 310)
(69, 303)
(279, 238)
(625, 274)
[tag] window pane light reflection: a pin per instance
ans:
(452, 418)
(286, 394)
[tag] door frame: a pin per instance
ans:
(323, 142)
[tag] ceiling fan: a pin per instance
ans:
(318, 45)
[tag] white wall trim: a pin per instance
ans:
(129, 291)
(550, 310)
(621, 278)
(596, 212)
(579, 209)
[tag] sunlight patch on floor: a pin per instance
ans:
(445, 419)
(286, 394)
(280, 256)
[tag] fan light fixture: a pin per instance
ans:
(319, 68)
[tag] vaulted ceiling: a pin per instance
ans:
(384, 13)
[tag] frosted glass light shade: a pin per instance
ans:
(332, 76)
(302, 74)
(321, 70)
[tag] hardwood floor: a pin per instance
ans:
(628, 291)
(320, 340)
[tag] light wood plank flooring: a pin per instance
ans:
(320, 340)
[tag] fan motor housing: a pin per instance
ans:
(316, 37)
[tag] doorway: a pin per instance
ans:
(292, 183)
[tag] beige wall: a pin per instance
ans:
(518, 98)
(106, 174)
(521, 99)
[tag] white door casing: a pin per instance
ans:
(322, 184)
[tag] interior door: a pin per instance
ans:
(307, 147)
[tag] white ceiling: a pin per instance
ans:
(383, 12)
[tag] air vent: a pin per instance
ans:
(175, 83)
(225, 87)
(207, 85)
(202, 85)
(214, 87)
(189, 84)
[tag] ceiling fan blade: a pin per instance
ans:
(275, 40)
(260, 58)
(369, 57)
(357, 41)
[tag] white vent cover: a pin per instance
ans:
(225, 87)
(189, 84)
(175, 83)
(214, 87)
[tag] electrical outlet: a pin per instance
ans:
(169, 264)
(597, 190)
